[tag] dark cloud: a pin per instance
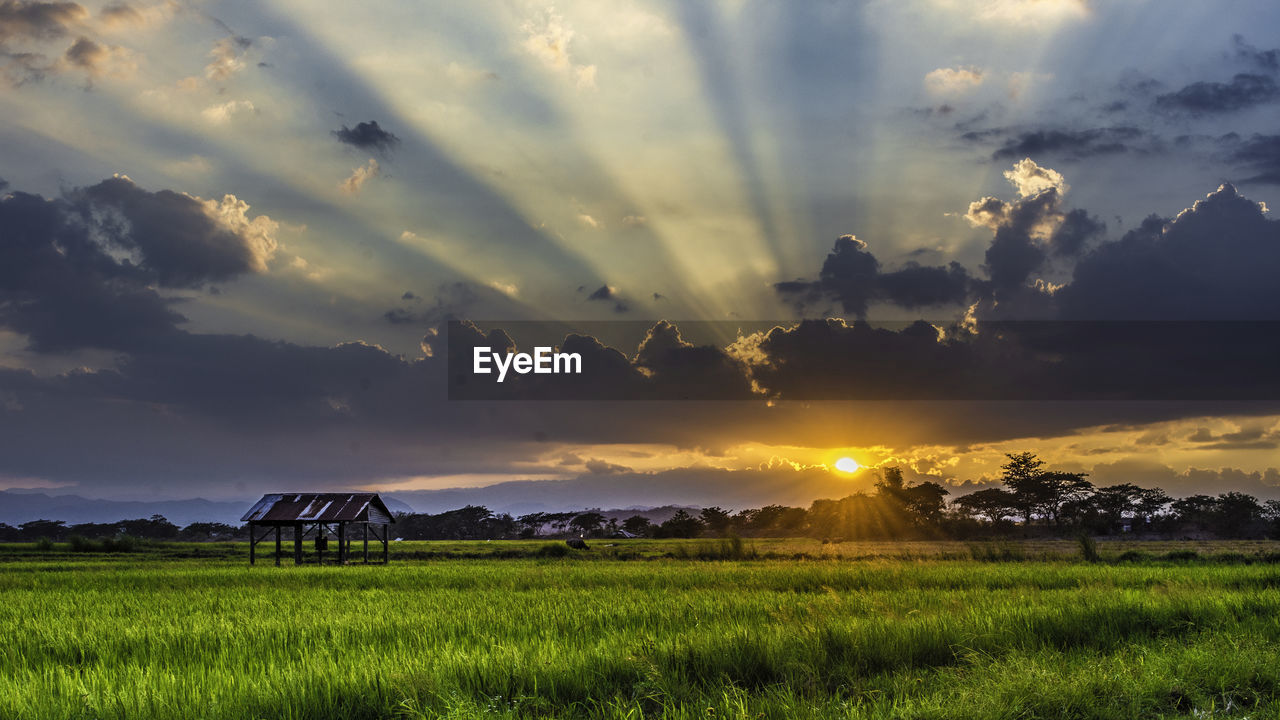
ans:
(1217, 260)
(1268, 60)
(21, 20)
(607, 293)
(1244, 91)
(367, 136)
(183, 241)
(604, 292)
(37, 20)
(1261, 154)
(852, 276)
(1067, 144)
(82, 270)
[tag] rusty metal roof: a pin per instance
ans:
(314, 507)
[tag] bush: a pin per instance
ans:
(553, 550)
(1133, 556)
(997, 552)
(1182, 555)
(118, 544)
(44, 544)
(1088, 548)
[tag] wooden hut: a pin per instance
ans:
(319, 515)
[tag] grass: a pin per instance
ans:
(945, 634)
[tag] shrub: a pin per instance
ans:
(1088, 548)
(44, 544)
(997, 552)
(553, 550)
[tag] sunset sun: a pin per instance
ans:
(847, 465)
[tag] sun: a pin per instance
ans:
(847, 465)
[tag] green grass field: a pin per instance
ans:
(902, 633)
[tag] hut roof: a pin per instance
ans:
(315, 507)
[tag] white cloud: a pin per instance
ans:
(1030, 179)
(359, 177)
(548, 39)
(1033, 12)
(226, 58)
(221, 114)
(953, 81)
(635, 221)
(259, 233)
(508, 289)
(589, 221)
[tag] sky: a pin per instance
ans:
(232, 236)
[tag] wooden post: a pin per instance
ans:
(320, 530)
(366, 543)
(386, 538)
(277, 546)
(253, 540)
(342, 543)
(297, 543)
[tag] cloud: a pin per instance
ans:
(83, 270)
(359, 176)
(508, 289)
(852, 276)
(222, 113)
(122, 15)
(634, 221)
(604, 292)
(589, 221)
(226, 58)
(1266, 60)
(1216, 260)
(548, 39)
(1029, 231)
(1068, 144)
(608, 293)
(38, 20)
(367, 136)
(953, 81)
(1029, 179)
(184, 240)
(1245, 90)
(1261, 154)
(97, 60)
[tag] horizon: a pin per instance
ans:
(221, 274)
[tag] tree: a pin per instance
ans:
(207, 531)
(1022, 475)
(992, 503)
(156, 527)
(44, 529)
(1195, 511)
(717, 520)
(925, 501)
(587, 523)
(681, 525)
(1238, 515)
(638, 525)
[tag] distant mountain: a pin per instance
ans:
(19, 507)
(655, 495)
(687, 487)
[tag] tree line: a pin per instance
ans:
(1035, 500)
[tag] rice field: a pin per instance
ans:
(920, 635)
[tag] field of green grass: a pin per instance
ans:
(926, 632)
